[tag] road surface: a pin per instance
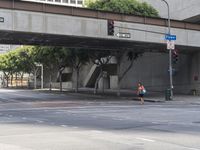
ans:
(32, 120)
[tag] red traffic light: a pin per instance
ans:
(111, 30)
(174, 56)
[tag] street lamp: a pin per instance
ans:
(170, 53)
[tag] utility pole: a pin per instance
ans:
(170, 53)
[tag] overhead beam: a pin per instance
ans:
(83, 12)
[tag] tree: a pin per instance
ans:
(100, 58)
(133, 7)
(51, 56)
(9, 65)
(5, 67)
(131, 57)
(24, 62)
(77, 58)
(21, 62)
(61, 60)
(29, 53)
(46, 56)
(15, 62)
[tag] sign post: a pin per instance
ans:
(170, 46)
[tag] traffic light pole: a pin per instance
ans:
(170, 54)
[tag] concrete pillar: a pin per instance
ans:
(113, 82)
(104, 83)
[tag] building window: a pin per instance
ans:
(65, 1)
(80, 2)
(58, 1)
(73, 1)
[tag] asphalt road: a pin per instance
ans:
(31, 120)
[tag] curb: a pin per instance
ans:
(111, 97)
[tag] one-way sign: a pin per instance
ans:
(124, 35)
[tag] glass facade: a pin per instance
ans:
(76, 3)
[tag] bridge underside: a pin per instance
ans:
(21, 38)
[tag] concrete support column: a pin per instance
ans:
(104, 83)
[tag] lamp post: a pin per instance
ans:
(170, 52)
(42, 82)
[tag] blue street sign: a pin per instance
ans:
(170, 37)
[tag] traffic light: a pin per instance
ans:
(174, 56)
(111, 30)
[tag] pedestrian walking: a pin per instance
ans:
(141, 92)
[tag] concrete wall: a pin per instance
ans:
(179, 9)
(152, 70)
(194, 69)
(34, 22)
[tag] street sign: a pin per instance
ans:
(170, 37)
(124, 35)
(174, 71)
(1, 19)
(170, 45)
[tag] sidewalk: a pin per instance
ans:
(112, 94)
(129, 95)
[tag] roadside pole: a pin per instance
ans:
(170, 54)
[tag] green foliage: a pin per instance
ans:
(77, 57)
(24, 59)
(46, 55)
(133, 7)
(133, 55)
(99, 57)
(15, 61)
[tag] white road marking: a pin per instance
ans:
(11, 147)
(40, 121)
(96, 131)
(119, 119)
(75, 127)
(145, 139)
(193, 148)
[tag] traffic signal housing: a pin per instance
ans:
(111, 30)
(174, 56)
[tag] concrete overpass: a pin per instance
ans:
(35, 23)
